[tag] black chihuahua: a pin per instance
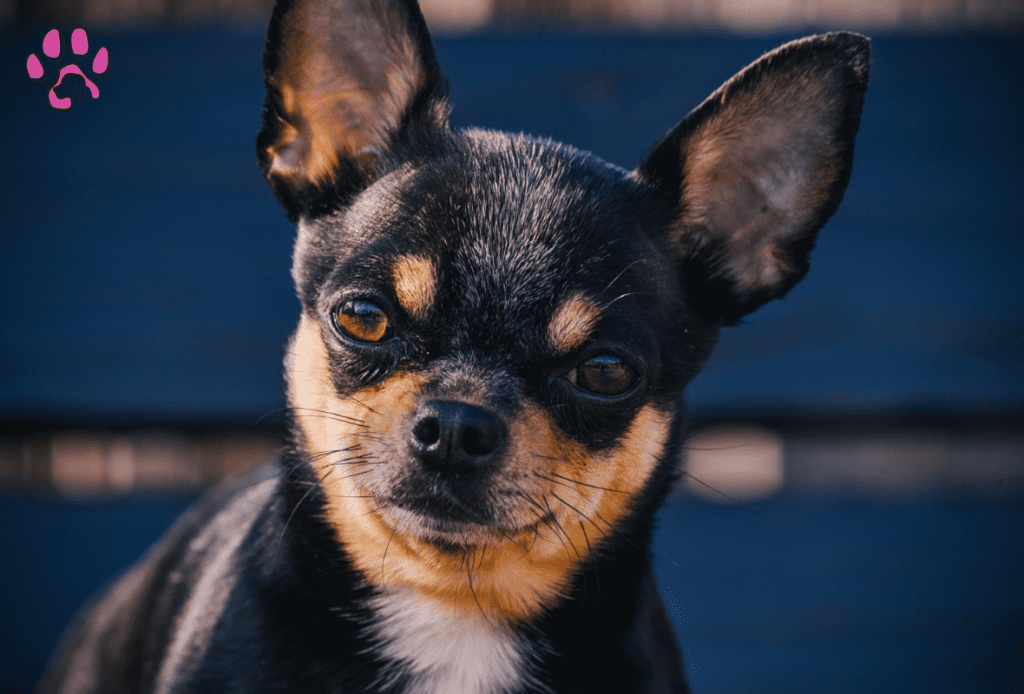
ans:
(486, 382)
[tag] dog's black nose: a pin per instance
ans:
(450, 436)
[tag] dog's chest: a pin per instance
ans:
(440, 649)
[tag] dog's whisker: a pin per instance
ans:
(361, 459)
(358, 402)
(357, 464)
(619, 297)
(704, 484)
(472, 590)
(541, 520)
(584, 516)
(560, 531)
(265, 415)
(626, 269)
(305, 496)
(531, 500)
(334, 416)
(554, 481)
(355, 474)
(384, 556)
(578, 557)
(325, 455)
(569, 539)
(584, 484)
(512, 541)
(593, 560)
(367, 436)
(615, 531)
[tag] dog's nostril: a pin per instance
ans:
(480, 438)
(427, 431)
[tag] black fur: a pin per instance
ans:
(257, 589)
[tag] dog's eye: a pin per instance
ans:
(604, 375)
(363, 321)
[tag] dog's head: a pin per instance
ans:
(496, 332)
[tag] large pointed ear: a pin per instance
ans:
(346, 80)
(758, 168)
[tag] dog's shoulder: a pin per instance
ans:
(172, 601)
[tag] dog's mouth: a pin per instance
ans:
(446, 509)
(450, 523)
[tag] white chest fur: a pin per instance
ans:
(446, 651)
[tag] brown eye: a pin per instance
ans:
(605, 375)
(363, 321)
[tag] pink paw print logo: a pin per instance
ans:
(52, 48)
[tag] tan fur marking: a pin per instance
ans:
(560, 509)
(572, 323)
(415, 284)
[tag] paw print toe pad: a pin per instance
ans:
(79, 46)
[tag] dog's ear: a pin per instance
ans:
(758, 168)
(346, 81)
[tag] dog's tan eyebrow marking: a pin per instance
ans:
(572, 323)
(415, 284)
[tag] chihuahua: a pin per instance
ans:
(485, 385)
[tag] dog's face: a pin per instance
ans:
(488, 357)
(496, 330)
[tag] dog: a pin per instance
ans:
(486, 383)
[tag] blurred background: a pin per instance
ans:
(851, 515)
